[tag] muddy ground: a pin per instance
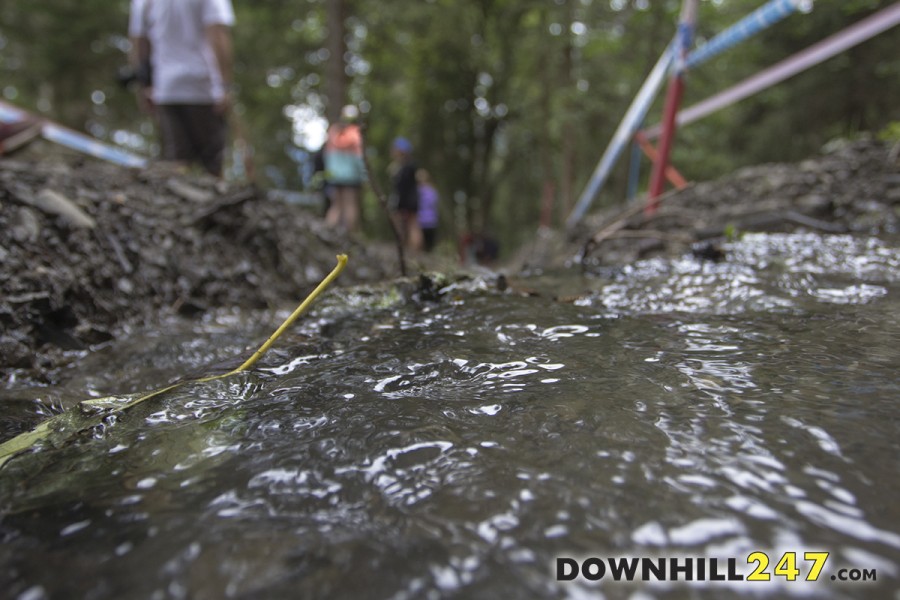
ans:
(88, 249)
(850, 187)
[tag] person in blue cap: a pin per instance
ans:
(405, 194)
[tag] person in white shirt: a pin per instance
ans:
(187, 46)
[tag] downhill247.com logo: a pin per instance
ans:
(808, 567)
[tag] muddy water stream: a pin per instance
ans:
(459, 448)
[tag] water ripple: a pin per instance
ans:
(456, 448)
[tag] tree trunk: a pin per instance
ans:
(335, 74)
(568, 80)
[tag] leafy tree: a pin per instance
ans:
(509, 103)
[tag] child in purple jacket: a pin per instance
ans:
(428, 209)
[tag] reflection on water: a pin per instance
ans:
(458, 448)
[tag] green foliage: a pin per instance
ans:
(508, 102)
(732, 233)
(890, 133)
(58, 54)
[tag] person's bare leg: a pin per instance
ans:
(414, 236)
(351, 209)
(334, 216)
(399, 225)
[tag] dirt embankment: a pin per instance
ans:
(851, 187)
(88, 248)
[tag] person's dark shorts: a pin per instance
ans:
(193, 133)
(429, 235)
(409, 204)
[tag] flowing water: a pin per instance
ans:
(458, 448)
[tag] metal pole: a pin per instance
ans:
(634, 172)
(672, 174)
(805, 59)
(762, 18)
(740, 31)
(75, 140)
(626, 130)
(673, 99)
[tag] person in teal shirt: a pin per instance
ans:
(345, 170)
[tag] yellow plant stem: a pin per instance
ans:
(342, 262)
(23, 441)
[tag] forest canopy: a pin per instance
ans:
(509, 103)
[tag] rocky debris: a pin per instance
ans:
(852, 187)
(55, 204)
(87, 249)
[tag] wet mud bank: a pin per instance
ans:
(88, 249)
(851, 187)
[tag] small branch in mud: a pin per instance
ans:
(212, 207)
(681, 238)
(619, 222)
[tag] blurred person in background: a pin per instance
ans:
(428, 209)
(345, 170)
(405, 193)
(182, 53)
